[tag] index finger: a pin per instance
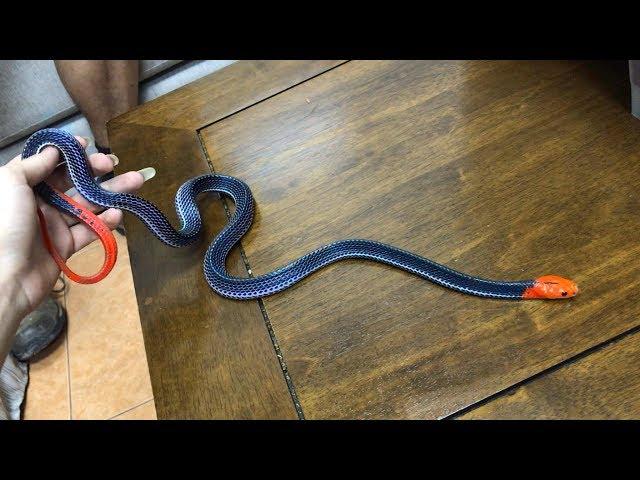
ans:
(39, 166)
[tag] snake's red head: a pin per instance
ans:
(551, 287)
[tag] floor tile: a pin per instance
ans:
(146, 411)
(108, 365)
(48, 389)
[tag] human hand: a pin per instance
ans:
(24, 259)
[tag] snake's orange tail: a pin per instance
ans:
(104, 234)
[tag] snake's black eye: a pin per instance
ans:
(564, 294)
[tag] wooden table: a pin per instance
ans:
(502, 169)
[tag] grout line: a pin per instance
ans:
(263, 310)
(132, 408)
(199, 129)
(564, 363)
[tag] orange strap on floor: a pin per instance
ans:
(104, 234)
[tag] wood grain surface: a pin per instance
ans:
(603, 385)
(503, 169)
(221, 94)
(209, 357)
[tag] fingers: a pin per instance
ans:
(99, 163)
(83, 141)
(58, 230)
(126, 183)
(38, 167)
(83, 235)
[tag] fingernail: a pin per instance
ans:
(114, 159)
(147, 173)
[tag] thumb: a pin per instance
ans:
(38, 167)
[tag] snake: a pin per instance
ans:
(215, 272)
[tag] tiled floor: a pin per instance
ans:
(98, 368)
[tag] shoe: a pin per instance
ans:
(39, 329)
